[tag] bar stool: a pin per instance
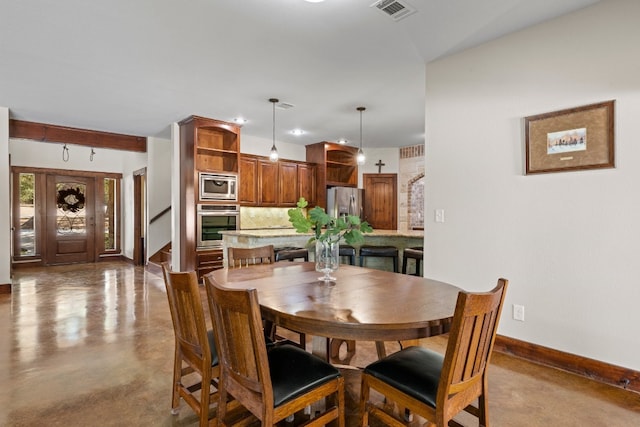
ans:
(291, 253)
(380, 252)
(417, 254)
(348, 251)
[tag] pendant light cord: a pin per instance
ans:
(360, 159)
(273, 155)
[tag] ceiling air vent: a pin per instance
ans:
(396, 9)
(284, 105)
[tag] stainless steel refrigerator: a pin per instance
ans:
(342, 201)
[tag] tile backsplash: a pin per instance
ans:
(256, 218)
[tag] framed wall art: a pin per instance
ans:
(573, 139)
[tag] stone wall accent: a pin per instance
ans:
(411, 191)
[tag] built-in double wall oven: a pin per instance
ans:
(212, 219)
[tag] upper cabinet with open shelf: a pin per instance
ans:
(215, 144)
(336, 166)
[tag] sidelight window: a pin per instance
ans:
(26, 241)
(110, 217)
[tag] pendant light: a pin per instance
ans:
(273, 156)
(360, 159)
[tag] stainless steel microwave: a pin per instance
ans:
(218, 187)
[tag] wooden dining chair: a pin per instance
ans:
(273, 384)
(434, 386)
(245, 257)
(195, 350)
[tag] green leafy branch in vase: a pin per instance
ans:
(325, 227)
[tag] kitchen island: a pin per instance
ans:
(287, 237)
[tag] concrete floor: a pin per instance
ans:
(92, 344)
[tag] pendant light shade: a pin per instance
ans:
(360, 158)
(273, 155)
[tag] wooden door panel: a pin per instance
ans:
(70, 220)
(248, 181)
(288, 177)
(307, 183)
(380, 200)
(268, 183)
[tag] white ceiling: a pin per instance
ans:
(135, 66)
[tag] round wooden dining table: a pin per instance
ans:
(361, 304)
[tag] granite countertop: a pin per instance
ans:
(284, 232)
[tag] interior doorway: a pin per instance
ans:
(140, 216)
(381, 200)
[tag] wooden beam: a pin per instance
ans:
(66, 135)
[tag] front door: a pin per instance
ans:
(70, 219)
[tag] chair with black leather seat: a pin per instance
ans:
(291, 254)
(246, 257)
(195, 349)
(416, 254)
(380, 252)
(434, 386)
(272, 385)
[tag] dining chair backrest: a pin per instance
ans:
(471, 340)
(244, 257)
(438, 387)
(193, 343)
(246, 366)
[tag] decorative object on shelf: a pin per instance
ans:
(65, 153)
(360, 159)
(573, 139)
(327, 233)
(93, 153)
(273, 156)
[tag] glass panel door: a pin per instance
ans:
(70, 219)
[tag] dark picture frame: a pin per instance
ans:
(573, 139)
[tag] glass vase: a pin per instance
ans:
(327, 259)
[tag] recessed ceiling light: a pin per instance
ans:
(314, 1)
(240, 120)
(342, 141)
(297, 132)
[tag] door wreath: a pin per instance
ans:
(70, 199)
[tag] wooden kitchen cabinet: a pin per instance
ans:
(248, 194)
(214, 145)
(279, 184)
(207, 261)
(287, 183)
(267, 183)
(206, 145)
(336, 166)
(307, 183)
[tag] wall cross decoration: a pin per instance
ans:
(380, 165)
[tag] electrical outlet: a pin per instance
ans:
(518, 312)
(439, 215)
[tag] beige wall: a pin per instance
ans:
(567, 241)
